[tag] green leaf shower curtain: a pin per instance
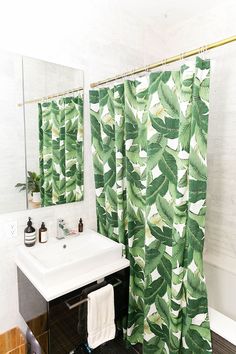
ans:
(149, 139)
(61, 150)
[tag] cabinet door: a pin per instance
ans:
(64, 316)
(68, 318)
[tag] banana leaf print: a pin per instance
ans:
(149, 143)
(61, 150)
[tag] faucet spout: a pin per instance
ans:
(61, 230)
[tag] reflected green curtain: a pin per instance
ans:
(61, 150)
(149, 141)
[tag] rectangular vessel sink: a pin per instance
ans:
(60, 264)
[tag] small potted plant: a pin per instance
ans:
(33, 186)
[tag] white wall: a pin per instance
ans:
(9, 315)
(105, 38)
(12, 164)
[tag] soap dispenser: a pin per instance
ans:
(80, 225)
(29, 234)
(43, 234)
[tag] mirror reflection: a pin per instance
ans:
(45, 122)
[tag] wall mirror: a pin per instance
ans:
(41, 133)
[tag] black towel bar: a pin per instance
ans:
(74, 305)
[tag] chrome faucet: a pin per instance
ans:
(61, 229)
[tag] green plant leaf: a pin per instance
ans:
(195, 287)
(197, 190)
(185, 133)
(111, 197)
(162, 309)
(203, 64)
(154, 153)
(169, 100)
(158, 186)
(196, 306)
(197, 168)
(156, 78)
(161, 332)
(164, 268)
(157, 287)
(168, 167)
(196, 343)
(169, 128)
(154, 253)
(165, 210)
(195, 234)
(204, 89)
(164, 236)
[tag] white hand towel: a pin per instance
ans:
(101, 316)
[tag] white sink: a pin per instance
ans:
(60, 266)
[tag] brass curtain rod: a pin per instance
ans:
(37, 100)
(166, 61)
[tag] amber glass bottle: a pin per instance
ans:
(43, 233)
(80, 225)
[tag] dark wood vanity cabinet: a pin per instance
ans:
(55, 324)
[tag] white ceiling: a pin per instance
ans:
(138, 31)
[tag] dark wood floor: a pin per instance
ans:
(118, 346)
(221, 346)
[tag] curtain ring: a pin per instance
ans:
(133, 74)
(201, 51)
(128, 75)
(147, 69)
(162, 63)
(205, 51)
(123, 78)
(165, 62)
